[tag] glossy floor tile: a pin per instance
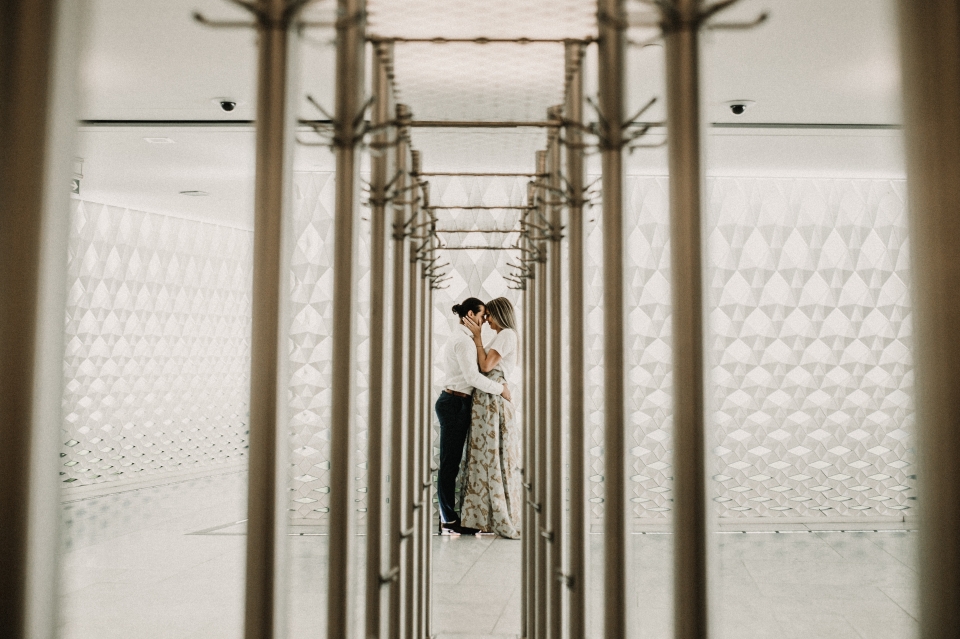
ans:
(168, 563)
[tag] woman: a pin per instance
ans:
(492, 493)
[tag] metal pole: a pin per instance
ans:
(39, 40)
(349, 105)
(612, 21)
(476, 208)
(480, 248)
(428, 508)
(479, 124)
(428, 451)
(478, 40)
(477, 174)
(530, 534)
(378, 180)
(398, 434)
(540, 445)
(413, 417)
(930, 36)
(686, 179)
(554, 453)
(423, 404)
(525, 525)
(267, 491)
(577, 564)
(423, 531)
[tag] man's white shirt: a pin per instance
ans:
(460, 370)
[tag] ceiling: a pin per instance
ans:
(814, 62)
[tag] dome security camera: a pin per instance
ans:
(739, 107)
(228, 105)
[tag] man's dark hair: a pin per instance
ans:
(467, 305)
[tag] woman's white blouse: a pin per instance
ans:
(506, 342)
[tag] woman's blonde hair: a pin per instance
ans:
(502, 310)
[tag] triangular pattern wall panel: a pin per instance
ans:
(648, 357)
(311, 349)
(808, 343)
(810, 333)
(157, 341)
(808, 337)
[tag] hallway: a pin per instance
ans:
(661, 291)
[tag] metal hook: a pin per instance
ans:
(321, 110)
(222, 24)
(642, 110)
(290, 11)
(742, 26)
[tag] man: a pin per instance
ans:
(461, 375)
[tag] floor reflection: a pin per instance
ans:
(167, 563)
(133, 568)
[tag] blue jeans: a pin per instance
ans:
(454, 413)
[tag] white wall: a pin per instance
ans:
(808, 345)
(810, 371)
(157, 345)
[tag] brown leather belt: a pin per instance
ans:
(457, 393)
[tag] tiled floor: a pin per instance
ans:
(135, 566)
(476, 587)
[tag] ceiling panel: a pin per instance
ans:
(814, 61)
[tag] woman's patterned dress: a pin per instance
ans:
(492, 490)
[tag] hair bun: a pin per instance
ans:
(456, 309)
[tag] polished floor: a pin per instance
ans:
(167, 563)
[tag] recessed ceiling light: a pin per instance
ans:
(194, 193)
(158, 140)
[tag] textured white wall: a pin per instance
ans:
(310, 332)
(808, 341)
(157, 344)
(808, 346)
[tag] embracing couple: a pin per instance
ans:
(478, 434)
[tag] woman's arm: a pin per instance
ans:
(487, 361)
(490, 361)
(468, 368)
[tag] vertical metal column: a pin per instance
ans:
(427, 475)
(349, 104)
(930, 38)
(540, 440)
(422, 464)
(413, 410)
(686, 179)
(574, 155)
(422, 404)
(526, 613)
(38, 55)
(267, 489)
(554, 453)
(612, 21)
(528, 577)
(379, 165)
(398, 433)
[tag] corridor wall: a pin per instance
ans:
(156, 368)
(311, 352)
(158, 349)
(808, 338)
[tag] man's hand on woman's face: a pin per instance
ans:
(472, 324)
